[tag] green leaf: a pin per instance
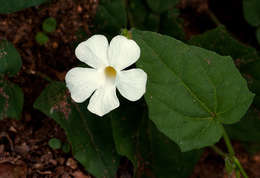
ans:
(129, 124)
(247, 129)
(54, 143)
(152, 22)
(10, 6)
(160, 6)
(151, 152)
(252, 12)
(137, 13)
(220, 41)
(168, 160)
(110, 17)
(49, 25)
(10, 59)
(171, 24)
(90, 136)
(41, 38)
(191, 91)
(11, 100)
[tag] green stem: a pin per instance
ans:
(228, 143)
(232, 153)
(213, 17)
(238, 174)
(241, 169)
(219, 151)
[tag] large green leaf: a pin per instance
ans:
(90, 137)
(151, 152)
(220, 41)
(252, 11)
(11, 100)
(9, 6)
(160, 6)
(110, 16)
(10, 60)
(191, 91)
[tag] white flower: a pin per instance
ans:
(108, 62)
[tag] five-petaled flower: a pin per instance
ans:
(108, 62)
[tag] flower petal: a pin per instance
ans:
(132, 83)
(93, 51)
(82, 82)
(122, 52)
(103, 100)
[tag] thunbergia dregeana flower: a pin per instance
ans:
(108, 62)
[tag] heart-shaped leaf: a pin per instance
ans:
(191, 91)
(90, 136)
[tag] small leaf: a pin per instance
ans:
(11, 100)
(54, 143)
(41, 38)
(10, 6)
(160, 6)
(110, 17)
(252, 12)
(10, 59)
(49, 25)
(191, 91)
(90, 136)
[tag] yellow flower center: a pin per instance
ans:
(110, 72)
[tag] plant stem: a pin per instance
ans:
(232, 153)
(241, 169)
(219, 151)
(213, 17)
(228, 143)
(238, 174)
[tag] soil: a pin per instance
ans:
(24, 149)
